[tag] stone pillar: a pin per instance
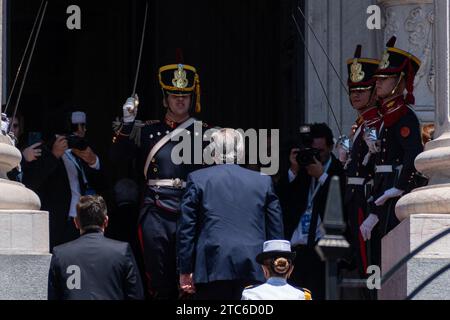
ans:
(24, 238)
(425, 212)
(411, 21)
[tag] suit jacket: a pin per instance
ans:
(227, 214)
(294, 198)
(106, 268)
(47, 176)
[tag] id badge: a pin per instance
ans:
(306, 221)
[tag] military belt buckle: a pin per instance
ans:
(177, 183)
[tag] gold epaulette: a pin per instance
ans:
(116, 125)
(253, 286)
(307, 293)
(117, 128)
(135, 133)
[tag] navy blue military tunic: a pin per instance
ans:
(360, 168)
(401, 142)
(162, 166)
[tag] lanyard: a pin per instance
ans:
(313, 190)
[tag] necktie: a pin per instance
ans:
(83, 184)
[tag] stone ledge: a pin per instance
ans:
(24, 276)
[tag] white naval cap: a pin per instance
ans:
(277, 245)
(78, 117)
(273, 248)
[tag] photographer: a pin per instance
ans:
(303, 192)
(66, 170)
(31, 149)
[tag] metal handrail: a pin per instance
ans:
(354, 283)
(408, 257)
(428, 281)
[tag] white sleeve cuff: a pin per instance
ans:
(291, 175)
(323, 178)
(96, 165)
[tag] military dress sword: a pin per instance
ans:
(138, 67)
(323, 50)
(30, 37)
(29, 61)
(344, 141)
(302, 37)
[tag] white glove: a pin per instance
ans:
(342, 154)
(374, 145)
(367, 226)
(371, 139)
(388, 194)
(130, 109)
(5, 123)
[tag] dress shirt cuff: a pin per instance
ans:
(96, 165)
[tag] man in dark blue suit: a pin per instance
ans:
(227, 214)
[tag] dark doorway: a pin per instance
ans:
(245, 52)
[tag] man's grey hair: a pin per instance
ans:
(228, 146)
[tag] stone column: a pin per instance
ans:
(24, 238)
(411, 21)
(425, 212)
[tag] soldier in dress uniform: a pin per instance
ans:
(399, 138)
(277, 263)
(359, 166)
(164, 179)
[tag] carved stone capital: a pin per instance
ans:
(411, 21)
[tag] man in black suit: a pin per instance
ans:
(227, 214)
(303, 193)
(66, 170)
(93, 267)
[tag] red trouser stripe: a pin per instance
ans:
(362, 243)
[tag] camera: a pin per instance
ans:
(73, 142)
(306, 154)
(76, 142)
